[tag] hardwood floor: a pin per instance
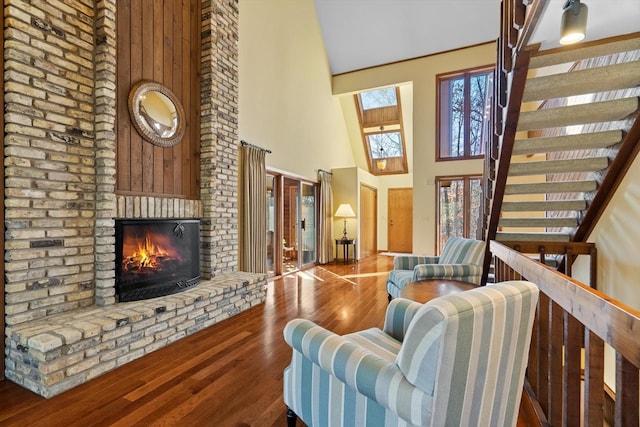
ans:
(227, 375)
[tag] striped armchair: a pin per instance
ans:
(458, 360)
(461, 259)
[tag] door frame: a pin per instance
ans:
(279, 186)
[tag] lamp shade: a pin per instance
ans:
(345, 211)
(573, 26)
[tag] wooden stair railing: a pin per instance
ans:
(574, 319)
(567, 251)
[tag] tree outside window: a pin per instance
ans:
(461, 113)
(459, 208)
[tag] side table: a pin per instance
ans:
(345, 249)
(425, 290)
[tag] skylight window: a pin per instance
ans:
(380, 116)
(378, 98)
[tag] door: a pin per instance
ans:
(290, 225)
(400, 226)
(368, 221)
(307, 230)
(273, 250)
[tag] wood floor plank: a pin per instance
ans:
(227, 375)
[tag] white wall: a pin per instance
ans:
(285, 102)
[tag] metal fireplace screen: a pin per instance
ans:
(156, 257)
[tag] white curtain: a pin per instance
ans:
(325, 247)
(252, 210)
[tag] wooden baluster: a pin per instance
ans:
(545, 352)
(572, 360)
(519, 14)
(593, 276)
(554, 414)
(626, 412)
(568, 260)
(541, 252)
(593, 379)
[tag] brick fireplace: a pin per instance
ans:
(63, 324)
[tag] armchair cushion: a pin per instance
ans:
(408, 262)
(465, 272)
(458, 250)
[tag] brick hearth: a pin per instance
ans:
(63, 351)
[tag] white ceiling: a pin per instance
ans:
(365, 33)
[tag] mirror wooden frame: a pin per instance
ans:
(137, 93)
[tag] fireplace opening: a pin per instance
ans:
(156, 257)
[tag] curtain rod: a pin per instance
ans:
(246, 144)
(322, 170)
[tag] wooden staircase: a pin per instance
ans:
(576, 114)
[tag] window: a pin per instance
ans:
(461, 113)
(459, 208)
(380, 115)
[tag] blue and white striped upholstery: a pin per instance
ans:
(458, 360)
(461, 259)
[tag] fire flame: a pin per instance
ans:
(148, 253)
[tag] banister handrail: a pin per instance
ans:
(589, 306)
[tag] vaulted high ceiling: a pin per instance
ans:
(365, 33)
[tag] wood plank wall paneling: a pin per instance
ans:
(159, 40)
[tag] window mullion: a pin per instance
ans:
(467, 115)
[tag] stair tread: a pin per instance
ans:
(567, 142)
(528, 237)
(552, 187)
(590, 164)
(544, 205)
(591, 80)
(562, 56)
(595, 112)
(538, 222)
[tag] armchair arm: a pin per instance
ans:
(400, 312)
(467, 272)
(408, 262)
(358, 368)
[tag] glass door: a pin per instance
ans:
(308, 223)
(290, 226)
(272, 250)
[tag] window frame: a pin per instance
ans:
(467, 217)
(395, 164)
(440, 79)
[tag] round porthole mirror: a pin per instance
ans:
(156, 113)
